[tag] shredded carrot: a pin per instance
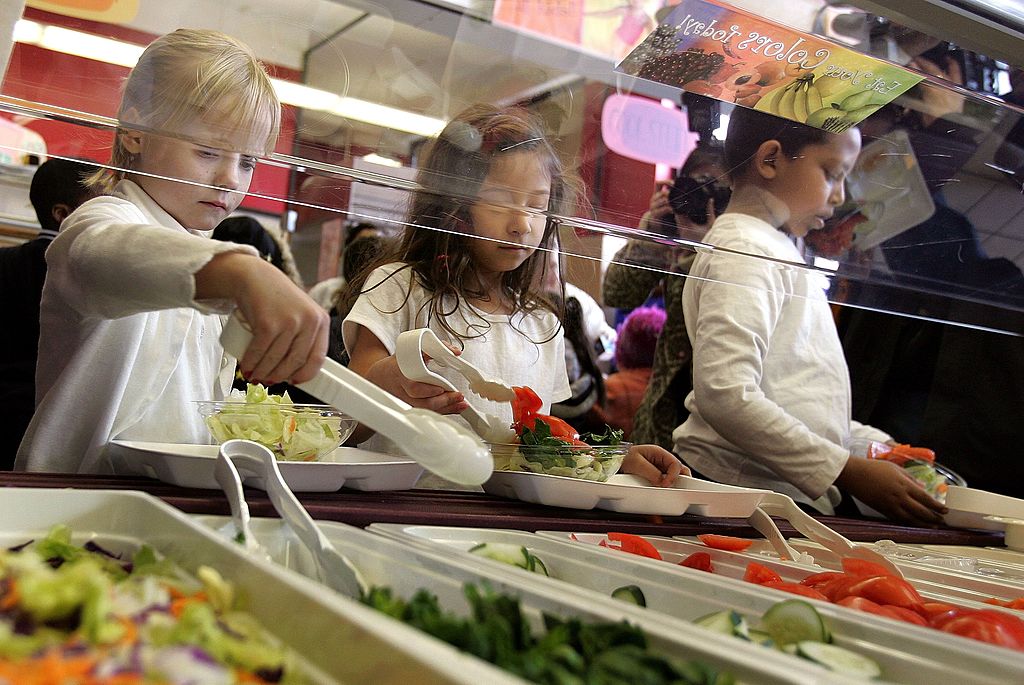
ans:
(10, 599)
(131, 631)
(178, 605)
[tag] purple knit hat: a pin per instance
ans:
(638, 336)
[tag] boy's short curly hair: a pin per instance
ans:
(749, 128)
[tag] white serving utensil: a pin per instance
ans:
(441, 445)
(252, 458)
(409, 350)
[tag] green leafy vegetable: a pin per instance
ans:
(567, 652)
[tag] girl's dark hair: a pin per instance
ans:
(575, 335)
(437, 238)
(749, 128)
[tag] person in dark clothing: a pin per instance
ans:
(57, 189)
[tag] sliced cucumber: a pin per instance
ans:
(761, 637)
(631, 594)
(727, 622)
(838, 659)
(794, 620)
(514, 555)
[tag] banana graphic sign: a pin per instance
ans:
(734, 56)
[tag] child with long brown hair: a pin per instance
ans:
(469, 268)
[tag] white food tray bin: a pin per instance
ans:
(906, 653)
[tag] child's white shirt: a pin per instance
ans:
(770, 405)
(124, 348)
(525, 349)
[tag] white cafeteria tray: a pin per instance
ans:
(384, 560)
(191, 466)
(627, 494)
(340, 639)
(906, 653)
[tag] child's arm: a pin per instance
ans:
(289, 329)
(370, 359)
(890, 490)
(654, 463)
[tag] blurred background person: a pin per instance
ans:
(685, 210)
(271, 244)
(634, 357)
(325, 293)
(57, 189)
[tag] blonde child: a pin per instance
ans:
(132, 308)
(770, 405)
(466, 268)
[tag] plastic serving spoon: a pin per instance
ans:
(231, 483)
(335, 570)
(409, 351)
(783, 506)
(448, 449)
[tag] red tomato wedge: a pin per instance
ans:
(987, 625)
(795, 589)
(939, 612)
(862, 567)
(700, 561)
(905, 615)
(525, 404)
(887, 590)
(559, 428)
(725, 542)
(634, 544)
(759, 574)
(819, 580)
(861, 604)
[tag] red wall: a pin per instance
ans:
(86, 85)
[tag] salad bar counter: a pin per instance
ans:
(482, 510)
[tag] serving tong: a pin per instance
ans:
(409, 350)
(441, 445)
(245, 457)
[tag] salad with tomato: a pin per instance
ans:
(547, 444)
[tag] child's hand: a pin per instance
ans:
(891, 491)
(654, 463)
(289, 330)
(386, 374)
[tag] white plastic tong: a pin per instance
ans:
(409, 350)
(435, 441)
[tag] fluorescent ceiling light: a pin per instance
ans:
(59, 39)
(374, 158)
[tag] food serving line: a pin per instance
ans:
(482, 510)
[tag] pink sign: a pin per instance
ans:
(645, 130)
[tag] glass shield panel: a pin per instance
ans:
(929, 226)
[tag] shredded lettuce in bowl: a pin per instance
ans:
(293, 432)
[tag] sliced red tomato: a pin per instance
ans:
(700, 561)
(634, 544)
(861, 604)
(819, 580)
(525, 404)
(863, 567)
(1015, 603)
(987, 625)
(725, 542)
(795, 589)
(839, 588)
(887, 590)
(559, 428)
(760, 574)
(904, 614)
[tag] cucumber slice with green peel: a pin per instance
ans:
(794, 620)
(761, 637)
(727, 622)
(631, 594)
(839, 659)
(514, 555)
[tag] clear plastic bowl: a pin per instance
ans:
(293, 432)
(587, 462)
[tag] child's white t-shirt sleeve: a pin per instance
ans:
(385, 307)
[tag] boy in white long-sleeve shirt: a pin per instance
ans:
(770, 405)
